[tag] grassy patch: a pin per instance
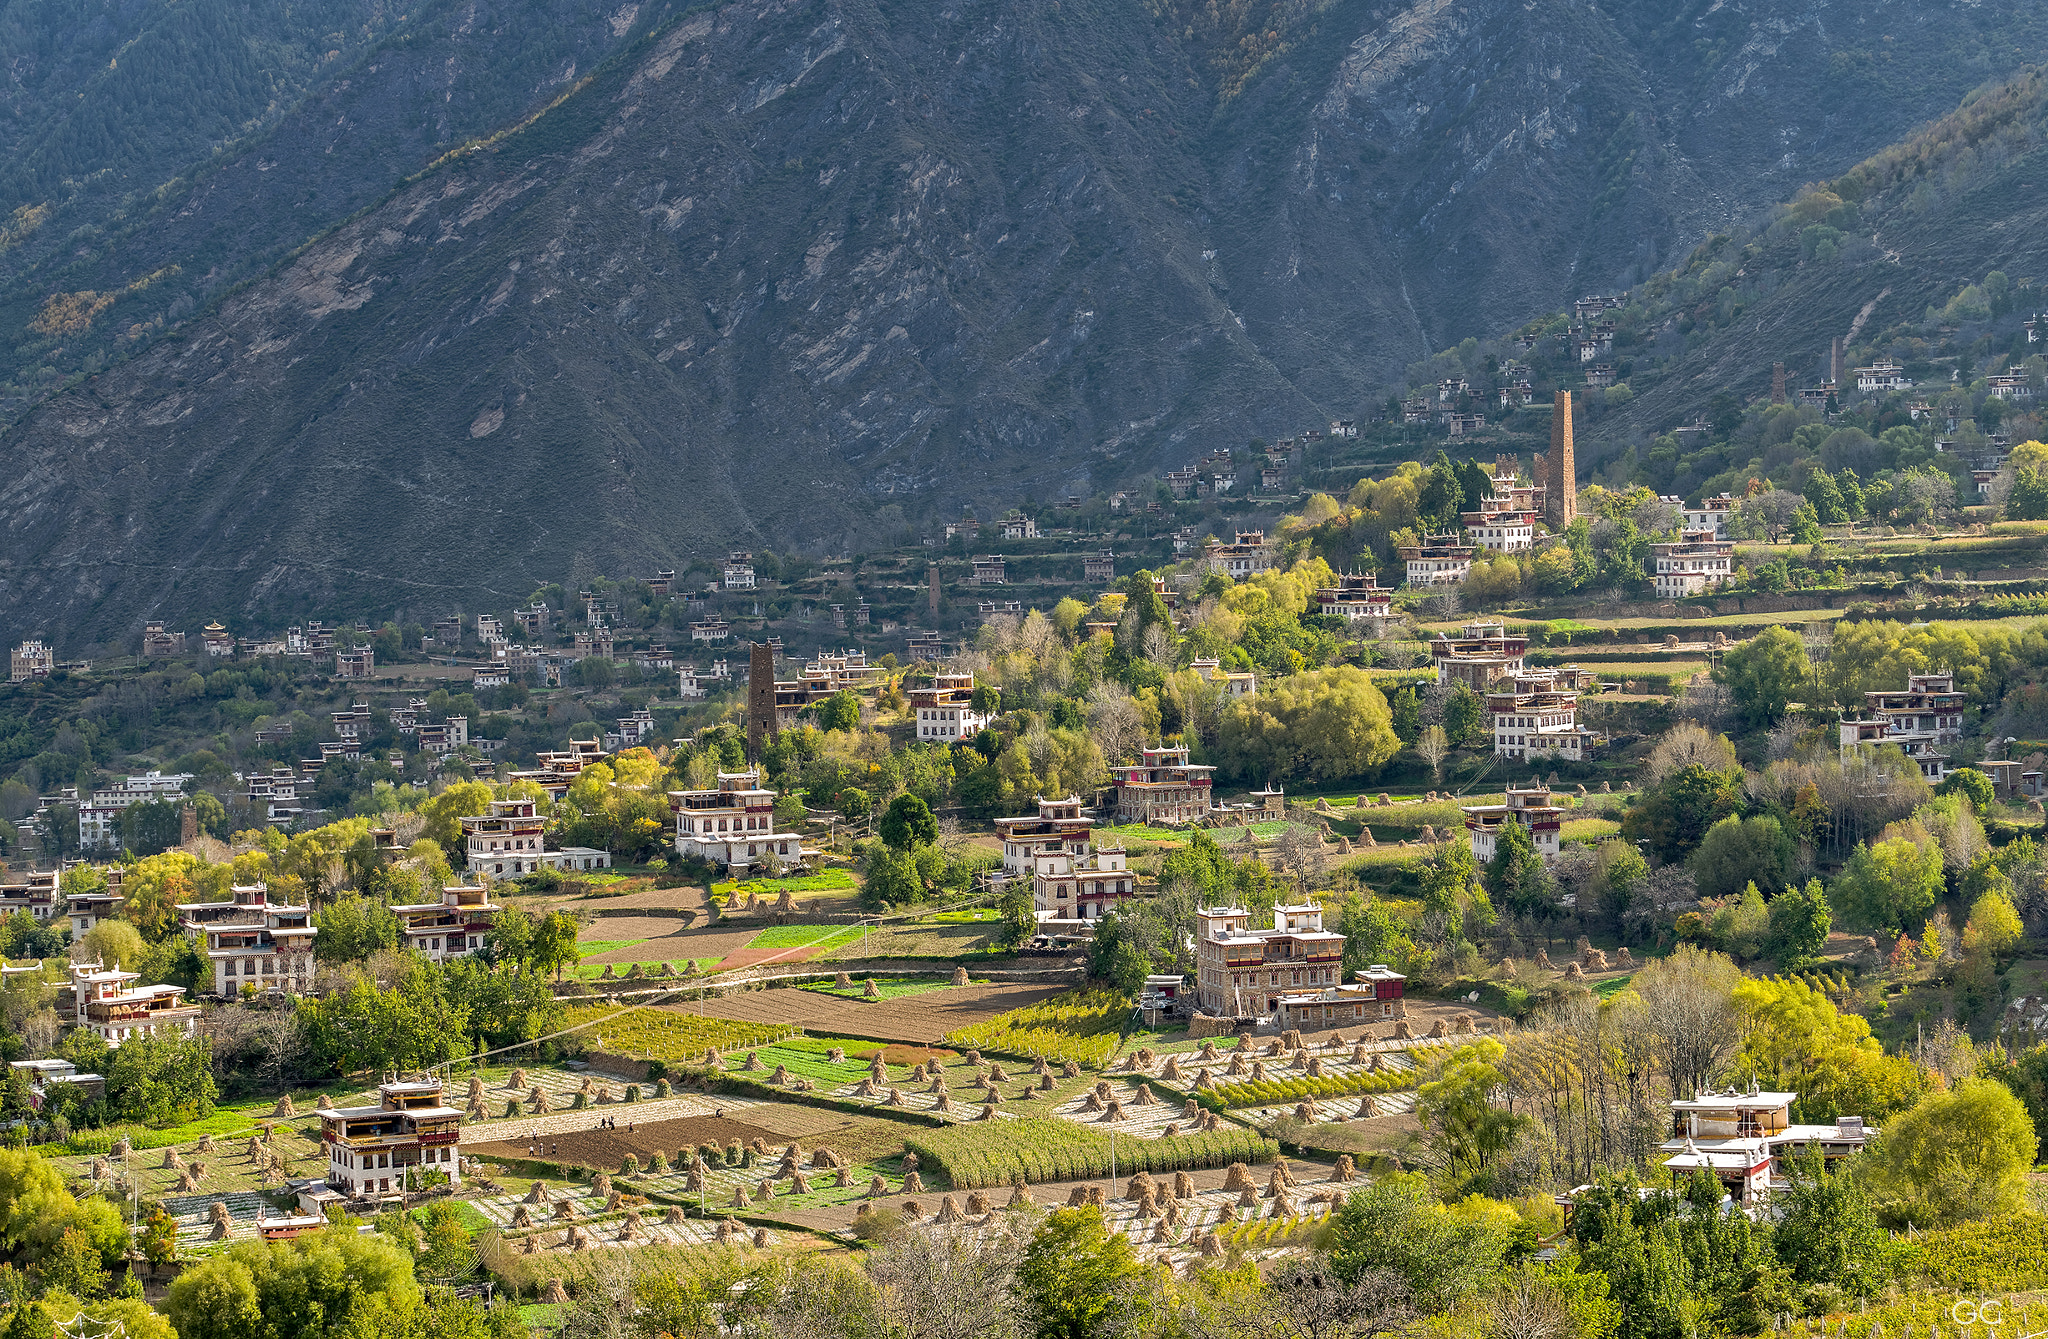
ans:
(886, 987)
(824, 881)
(922, 941)
(801, 936)
(1612, 986)
(587, 947)
(1589, 829)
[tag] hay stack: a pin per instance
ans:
(1070, 1070)
(894, 1099)
(675, 1217)
(944, 1102)
(602, 1185)
(877, 1190)
(1045, 1083)
(753, 1062)
(553, 1294)
(1209, 1051)
(284, 1108)
(538, 1194)
(1237, 1177)
(172, 1161)
(565, 1211)
(1248, 1198)
(1020, 1196)
(764, 1191)
(912, 1211)
(522, 1216)
(959, 976)
(1114, 1112)
(1345, 1169)
(949, 1211)
(913, 1184)
(871, 991)
(842, 982)
(1212, 1245)
(1144, 1097)
(1368, 1108)
(1171, 1072)
(729, 1227)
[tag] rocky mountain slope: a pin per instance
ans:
(800, 274)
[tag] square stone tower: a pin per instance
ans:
(1560, 482)
(761, 719)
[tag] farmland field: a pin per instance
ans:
(669, 1035)
(1083, 1026)
(919, 1018)
(1038, 1150)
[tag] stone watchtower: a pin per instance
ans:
(761, 718)
(1560, 483)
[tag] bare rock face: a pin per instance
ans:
(817, 227)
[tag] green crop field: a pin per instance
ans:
(1040, 1149)
(820, 937)
(1080, 1025)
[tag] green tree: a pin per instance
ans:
(1994, 927)
(445, 811)
(554, 943)
(1763, 674)
(352, 928)
(1740, 851)
(907, 823)
(1972, 784)
(1799, 924)
(334, 1283)
(1958, 1155)
(1019, 924)
(161, 1077)
(1075, 1276)
(841, 711)
(1395, 1223)
(855, 804)
(2028, 500)
(1407, 716)
(1828, 1234)
(1674, 815)
(1516, 876)
(1465, 717)
(1469, 1133)
(1890, 886)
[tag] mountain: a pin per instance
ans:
(597, 290)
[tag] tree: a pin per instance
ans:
(1673, 816)
(1396, 1224)
(944, 1286)
(444, 811)
(1329, 724)
(554, 943)
(1889, 886)
(1740, 851)
(1689, 998)
(1515, 876)
(1799, 923)
(1763, 674)
(1994, 927)
(1077, 1276)
(841, 711)
(161, 1077)
(1685, 744)
(1467, 1131)
(908, 823)
(1431, 746)
(1970, 783)
(1793, 1036)
(331, 1283)
(1828, 1234)
(2028, 500)
(1465, 716)
(855, 804)
(352, 928)
(1958, 1155)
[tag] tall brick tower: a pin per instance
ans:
(760, 697)
(1777, 383)
(1560, 481)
